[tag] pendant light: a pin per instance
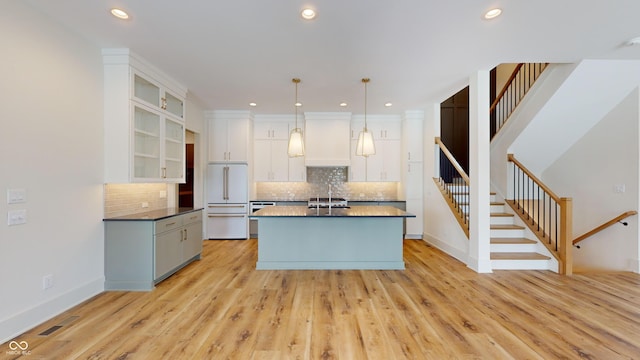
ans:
(296, 143)
(365, 145)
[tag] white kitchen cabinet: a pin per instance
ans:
(271, 162)
(139, 253)
(414, 226)
(271, 129)
(385, 128)
(358, 167)
(297, 169)
(412, 136)
(327, 139)
(229, 135)
(153, 94)
(143, 121)
(385, 164)
(413, 170)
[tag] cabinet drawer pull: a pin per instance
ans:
(170, 224)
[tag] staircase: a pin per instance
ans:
(511, 249)
(511, 245)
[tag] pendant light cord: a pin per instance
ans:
(365, 81)
(296, 81)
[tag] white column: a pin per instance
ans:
(479, 173)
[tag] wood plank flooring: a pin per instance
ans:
(222, 308)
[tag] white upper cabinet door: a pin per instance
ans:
(228, 136)
(385, 128)
(412, 138)
(271, 129)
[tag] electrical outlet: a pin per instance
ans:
(47, 282)
(163, 194)
(145, 204)
(619, 188)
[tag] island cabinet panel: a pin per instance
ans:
(141, 253)
(330, 243)
(359, 237)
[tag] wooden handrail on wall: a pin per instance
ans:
(618, 218)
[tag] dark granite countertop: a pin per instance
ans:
(154, 214)
(353, 211)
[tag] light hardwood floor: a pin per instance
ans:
(222, 308)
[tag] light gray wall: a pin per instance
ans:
(588, 172)
(51, 145)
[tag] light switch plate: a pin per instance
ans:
(16, 196)
(17, 217)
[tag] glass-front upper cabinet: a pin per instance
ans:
(173, 150)
(147, 153)
(156, 96)
(144, 121)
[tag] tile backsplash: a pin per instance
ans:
(125, 199)
(318, 181)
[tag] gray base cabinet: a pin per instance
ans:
(140, 254)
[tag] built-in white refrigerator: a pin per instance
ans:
(227, 201)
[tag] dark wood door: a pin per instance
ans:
(454, 126)
(185, 191)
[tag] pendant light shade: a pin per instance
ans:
(365, 146)
(296, 139)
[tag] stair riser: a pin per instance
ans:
(501, 233)
(495, 248)
(520, 265)
(502, 220)
(494, 208)
(465, 198)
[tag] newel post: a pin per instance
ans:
(566, 236)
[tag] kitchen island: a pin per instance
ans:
(358, 237)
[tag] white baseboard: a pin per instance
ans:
(635, 265)
(29, 318)
(460, 255)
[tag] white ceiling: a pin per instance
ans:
(229, 53)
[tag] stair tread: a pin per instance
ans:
(512, 241)
(507, 227)
(502, 214)
(518, 256)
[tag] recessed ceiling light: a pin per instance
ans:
(343, 104)
(119, 13)
(308, 14)
(253, 104)
(388, 104)
(493, 13)
(298, 104)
